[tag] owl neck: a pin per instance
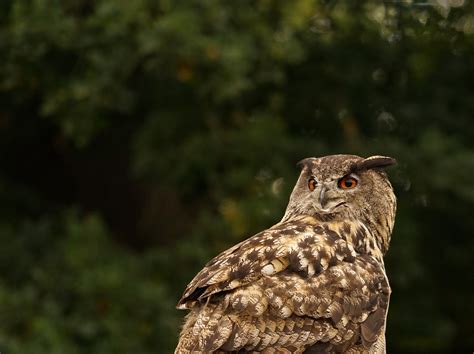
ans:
(381, 219)
(366, 238)
(381, 231)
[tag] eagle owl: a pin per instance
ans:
(313, 283)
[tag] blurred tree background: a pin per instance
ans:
(140, 138)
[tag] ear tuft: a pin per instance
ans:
(375, 162)
(305, 163)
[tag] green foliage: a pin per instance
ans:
(138, 139)
(67, 289)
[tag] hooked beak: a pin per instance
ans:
(323, 202)
(321, 197)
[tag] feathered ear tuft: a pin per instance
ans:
(305, 163)
(374, 162)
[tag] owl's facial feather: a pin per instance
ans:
(367, 195)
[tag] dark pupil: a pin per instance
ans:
(348, 183)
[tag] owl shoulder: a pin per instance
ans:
(302, 245)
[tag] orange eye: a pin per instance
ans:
(347, 182)
(312, 183)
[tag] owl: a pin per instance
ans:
(313, 283)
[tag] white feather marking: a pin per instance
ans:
(285, 312)
(311, 270)
(268, 269)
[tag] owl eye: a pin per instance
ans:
(347, 182)
(312, 183)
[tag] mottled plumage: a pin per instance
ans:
(315, 282)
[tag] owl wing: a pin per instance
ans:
(291, 286)
(268, 252)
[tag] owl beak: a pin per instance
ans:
(322, 196)
(324, 202)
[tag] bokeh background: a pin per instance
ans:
(140, 138)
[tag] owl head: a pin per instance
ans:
(344, 187)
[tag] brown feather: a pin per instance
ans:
(308, 283)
